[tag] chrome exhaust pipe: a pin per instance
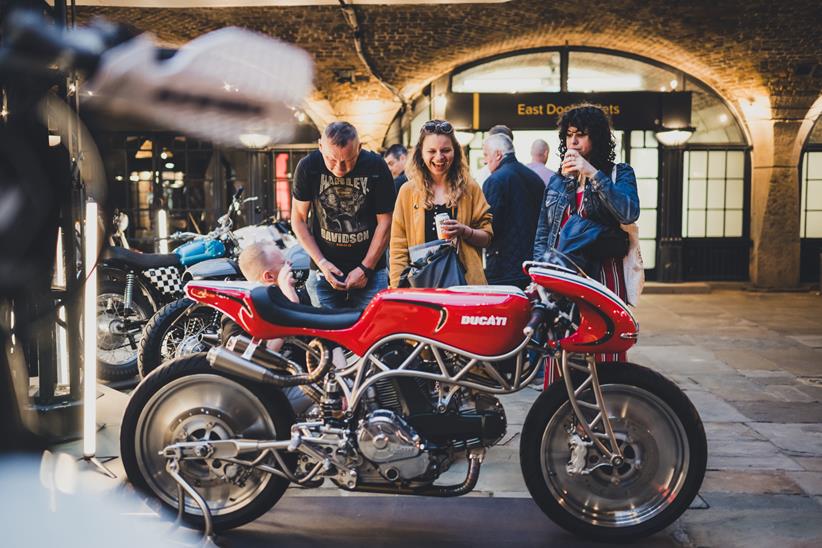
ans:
(232, 363)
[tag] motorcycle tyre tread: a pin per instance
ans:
(107, 371)
(148, 351)
(271, 397)
(626, 373)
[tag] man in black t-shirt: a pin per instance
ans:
(350, 193)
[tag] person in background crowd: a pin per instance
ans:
(539, 157)
(439, 182)
(514, 193)
(504, 130)
(586, 187)
(396, 156)
(350, 192)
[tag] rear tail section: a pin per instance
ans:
(231, 298)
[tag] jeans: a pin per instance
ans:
(322, 294)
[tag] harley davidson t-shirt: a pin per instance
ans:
(344, 209)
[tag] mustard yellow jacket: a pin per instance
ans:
(408, 228)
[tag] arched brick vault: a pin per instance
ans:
(754, 53)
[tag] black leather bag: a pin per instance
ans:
(441, 268)
(588, 243)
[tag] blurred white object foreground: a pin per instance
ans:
(45, 503)
(231, 86)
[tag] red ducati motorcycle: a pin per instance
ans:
(611, 451)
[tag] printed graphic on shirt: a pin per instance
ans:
(342, 217)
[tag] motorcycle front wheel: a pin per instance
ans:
(662, 440)
(180, 328)
(185, 400)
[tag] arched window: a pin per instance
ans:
(710, 174)
(810, 205)
(590, 71)
(514, 74)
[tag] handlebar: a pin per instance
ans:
(178, 236)
(541, 312)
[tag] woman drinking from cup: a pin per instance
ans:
(439, 183)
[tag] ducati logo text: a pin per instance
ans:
(484, 320)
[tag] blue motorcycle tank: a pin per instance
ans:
(199, 250)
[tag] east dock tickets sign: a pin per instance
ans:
(628, 110)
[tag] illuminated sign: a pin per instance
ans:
(628, 110)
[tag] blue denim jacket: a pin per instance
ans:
(608, 202)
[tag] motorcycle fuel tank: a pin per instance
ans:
(199, 250)
(484, 320)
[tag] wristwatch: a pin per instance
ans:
(365, 270)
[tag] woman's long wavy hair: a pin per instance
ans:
(592, 120)
(457, 177)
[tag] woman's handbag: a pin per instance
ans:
(632, 265)
(441, 268)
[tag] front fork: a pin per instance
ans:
(595, 430)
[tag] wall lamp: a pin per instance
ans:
(674, 137)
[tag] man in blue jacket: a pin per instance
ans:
(514, 193)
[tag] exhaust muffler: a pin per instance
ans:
(222, 359)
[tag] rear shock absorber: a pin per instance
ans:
(128, 294)
(332, 403)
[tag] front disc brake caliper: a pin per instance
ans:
(579, 455)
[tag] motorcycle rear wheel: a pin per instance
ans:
(116, 360)
(187, 400)
(661, 436)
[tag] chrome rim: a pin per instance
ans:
(113, 344)
(194, 408)
(655, 446)
(185, 334)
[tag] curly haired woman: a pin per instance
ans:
(586, 186)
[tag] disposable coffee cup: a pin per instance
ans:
(439, 218)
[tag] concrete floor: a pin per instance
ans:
(750, 362)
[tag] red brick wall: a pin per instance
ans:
(762, 56)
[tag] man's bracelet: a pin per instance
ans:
(365, 270)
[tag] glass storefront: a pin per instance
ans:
(707, 219)
(810, 206)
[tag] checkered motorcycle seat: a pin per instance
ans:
(166, 279)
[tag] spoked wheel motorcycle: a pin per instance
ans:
(184, 327)
(612, 451)
(146, 282)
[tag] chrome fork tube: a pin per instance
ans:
(614, 454)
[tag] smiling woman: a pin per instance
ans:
(439, 185)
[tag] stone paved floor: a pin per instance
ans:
(752, 365)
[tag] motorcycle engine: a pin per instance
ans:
(407, 437)
(387, 440)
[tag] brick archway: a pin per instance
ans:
(760, 56)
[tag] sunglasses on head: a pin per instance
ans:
(438, 126)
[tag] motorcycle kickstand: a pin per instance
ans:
(173, 469)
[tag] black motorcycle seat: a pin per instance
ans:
(139, 261)
(275, 308)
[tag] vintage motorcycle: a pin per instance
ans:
(613, 451)
(184, 326)
(133, 286)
